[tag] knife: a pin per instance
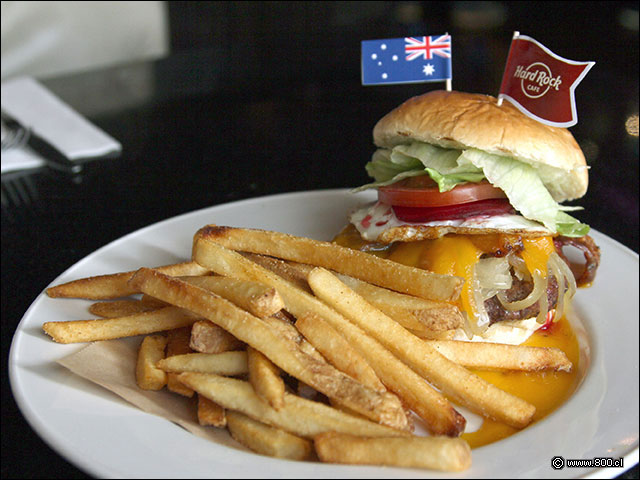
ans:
(50, 154)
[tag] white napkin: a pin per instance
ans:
(36, 107)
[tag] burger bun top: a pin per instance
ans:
(460, 120)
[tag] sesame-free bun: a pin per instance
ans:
(465, 120)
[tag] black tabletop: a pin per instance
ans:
(199, 130)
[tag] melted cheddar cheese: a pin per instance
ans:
(546, 390)
(536, 253)
(457, 255)
(449, 255)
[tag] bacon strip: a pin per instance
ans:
(591, 254)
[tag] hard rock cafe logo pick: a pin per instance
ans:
(540, 83)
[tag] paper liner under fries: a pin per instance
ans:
(111, 364)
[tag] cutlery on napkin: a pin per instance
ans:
(57, 132)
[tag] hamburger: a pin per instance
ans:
(469, 188)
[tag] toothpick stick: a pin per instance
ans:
(516, 34)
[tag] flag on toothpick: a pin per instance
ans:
(540, 83)
(407, 60)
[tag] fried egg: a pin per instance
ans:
(377, 222)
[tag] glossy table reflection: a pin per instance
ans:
(197, 132)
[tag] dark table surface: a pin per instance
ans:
(197, 132)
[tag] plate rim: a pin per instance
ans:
(631, 454)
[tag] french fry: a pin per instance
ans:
(411, 312)
(258, 299)
(498, 356)
(144, 323)
(226, 363)
(424, 317)
(115, 285)
(382, 407)
(439, 416)
(369, 268)
(345, 325)
(207, 337)
(289, 332)
(210, 413)
(453, 380)
(337, 350)
(285, 329)
(265, 379)
(119, 308)
(267, 440)
(425, 335)
(434, 453)
(151, 351)
(178, 344)
(153, 302)
(293, 272)
(298, 416)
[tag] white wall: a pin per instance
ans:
(45, 39)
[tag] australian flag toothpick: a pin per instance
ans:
(407, 60)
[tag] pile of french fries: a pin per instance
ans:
(301, 348)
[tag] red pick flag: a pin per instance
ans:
(540, 83)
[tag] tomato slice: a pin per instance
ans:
(422, 191)
(492, 206)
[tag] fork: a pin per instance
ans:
(16, 135)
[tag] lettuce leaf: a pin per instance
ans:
(447, 167)
(526, 192)
(450, 167)
(385, 169)
(447, 181)
(570, 227)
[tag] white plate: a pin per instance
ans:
(106, 437)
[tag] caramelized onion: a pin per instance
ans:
(490, 275)
(561, 282)
(482, 320)
(556, 262)
(519, 267)
(493, 273)
(544, 304)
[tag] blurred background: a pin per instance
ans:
(220, 101)
(309, 52)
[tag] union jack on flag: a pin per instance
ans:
(427, 47)
(406, 60)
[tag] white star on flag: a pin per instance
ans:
(428, 69)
